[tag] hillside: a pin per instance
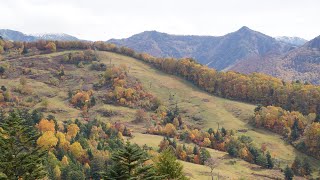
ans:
(245, 51)
(220, 52)
(197, 107)
(301, 64)
(19, 36)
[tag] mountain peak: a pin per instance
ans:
(244, 29)
(314, 43)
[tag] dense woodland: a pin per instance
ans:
(36, 147)
(67, 149)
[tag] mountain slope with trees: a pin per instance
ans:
(86, 103)
(301, 64)
(244, 51)
(218, 52)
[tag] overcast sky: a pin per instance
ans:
(105, 19)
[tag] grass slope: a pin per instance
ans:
(197, 107)
(212, 110)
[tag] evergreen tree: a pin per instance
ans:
(296, 166)
(92, 101)
(317, 114)
(307, 168)
(258, 108)
(36, 116)
(288, 173)
(97, 167)
(168, 166)
(270, 163)
(20, 157)
(25, 50)
(223, 131)
(261, 160)
(210, 130)
(196, 150)
(128, 163)
(295, 130)
(174, 143)
(204, 155)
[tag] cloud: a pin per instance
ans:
(104, 19)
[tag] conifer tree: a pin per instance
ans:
(128, 163)
(270, 163)
(20, 157)
(168, 166)
(288, 173)
(307, 168)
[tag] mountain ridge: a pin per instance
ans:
(19, 36)
(244, 51)
(297, 41)
(208, 50)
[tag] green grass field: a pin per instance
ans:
(193, 102)
(229, 114)
(229, 168)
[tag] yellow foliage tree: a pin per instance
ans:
(206, 142)
(170, 130)
(73, 130)
(46, 125)
(176, 122)
(77, 150)
(57, 173)
(63, 142)
(51, 47)
(47, 140)
(65, 161)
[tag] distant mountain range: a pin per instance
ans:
(292, 40)
(221, 52)
(244, 50)
(302, 63)
(19, 36)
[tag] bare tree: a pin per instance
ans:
(212, 163)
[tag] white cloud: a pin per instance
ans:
(104, 19)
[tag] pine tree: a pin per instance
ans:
(288, 173)
(25, 50)
(20, 157)
(210, 131)
(295, 130)
(270, 163)
(223, 131)
(92, 101)
(168, 166)
(204, 155)
(317, 114)
(128, 163)
(296, 166)
(196, 150)
(307, 168)
(261, 160)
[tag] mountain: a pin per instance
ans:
(302, 64)
(297, 41)
(19, 36)
(219, 52)
(166, 45)
(314, 43)
(16, 35)
(56, 36)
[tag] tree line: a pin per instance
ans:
(254, 88)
